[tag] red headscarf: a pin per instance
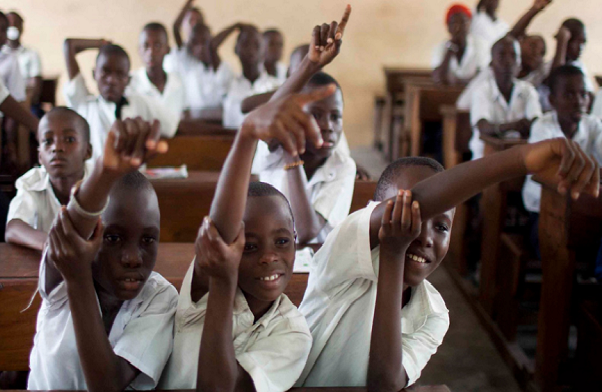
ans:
(455, 9)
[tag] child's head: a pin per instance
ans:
(249, 47)
(274, 43)
(153, 45)
(15, 26)
(297, 57)
(199, 43)
(458, 19)
(193, 17)
(112, 72)
(578, 38)
(328, 114)
(505, 57)
(433, 242)
(533, 51)
(3, 28)
(64, 143)
(488, 6)
(568, 95)
(269, 254)
(130, 242)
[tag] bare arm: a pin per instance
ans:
(254, 101)
(441, 73)
(177, 24)
(520, 28)
(74, 46)
(522, 126)
(562, 40)
(15, 110)
(218, 40)
(20, 233)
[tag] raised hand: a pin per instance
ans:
(563, 34)
(539, 5)
(326, 40)
(71, 254)
(215, 258)
(284, 120)
(401, 224)
(561, 161)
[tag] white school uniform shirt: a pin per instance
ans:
(588, 137)
(241, 88)
(204, 87)
(339, 307)
(35, 202)
(476, 57)
(489, 104)
(141, 334)
(597, 107)
(168, 106)
(100, 113)
(281, 71)
(10, 75)
(272, 350)
(29, 61)
(330, 189)
(489, 30)
(4, 93)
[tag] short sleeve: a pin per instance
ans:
(276, 361)
(76, 92)
(533, 107)
(333, 199)
(23, 207)
(147, 340)
(480, 107)
(170, 63)
(539, 131)
(482, 53)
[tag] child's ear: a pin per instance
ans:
(89, 151)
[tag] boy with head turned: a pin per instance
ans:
(112, 75)
(502, 105)
(274, 44)
(106, 321)
(64, 146)
(163, 90)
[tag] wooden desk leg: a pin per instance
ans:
(386, 130)
(558, 267)
(450, 158)
(415, 125)
(457, 248)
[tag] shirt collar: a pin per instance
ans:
(517, 92)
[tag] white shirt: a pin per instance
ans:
(10, 74)
(588, 137)
(476, 57)
(281, 71)
(241, 88)
(29, 61)
(330, 189)
(167, 106)
(141, 334)
(204, 87)
(273, 350)
(100, 113)
(339, 307)
(4, 93)
(489, 30)
(597, 108)
(537, 76)
(35, 202)
(489, 104)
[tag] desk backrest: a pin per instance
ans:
(48, 93)
(363, 192)
(433, 97)
(202, 153)
(396, 77)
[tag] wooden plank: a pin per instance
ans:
(200, 153)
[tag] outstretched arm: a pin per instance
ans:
(20, 233)
(218, 40)
(562, 40)
(73, 46)
(522, 126)
(177, 24)
(520, 28)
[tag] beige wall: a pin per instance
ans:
(381, 32)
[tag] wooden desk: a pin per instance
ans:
(493, 210)
(564, 226)
(457, 132)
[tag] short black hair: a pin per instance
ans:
(15, 14)
(156, 26)
(506, 39)
(133, 181)
(323, 79)
(396, 169)
(259, 189)
(561, 73)
(73, 113)
(112, 49)
(574, 25)
(4, 19)
(201, 28)
(271, 31)
(246, 29)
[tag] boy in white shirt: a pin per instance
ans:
(569, 119)
(274, 44)
(106, 320)
(163, 90)
(374, 318)
(112, 76)
(500, 102)
(64, 138)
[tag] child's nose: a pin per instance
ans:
(269, 257)
(131, 258)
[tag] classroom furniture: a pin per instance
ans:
(48, 93)
(379, 111)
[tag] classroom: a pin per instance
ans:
(261, 195)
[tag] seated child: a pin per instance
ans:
(163, 90)
(29, 60)
(368, 281)
(319, 183)
(460, 58)
(64, 147)
(188, 17)
(274, 43)
(106, 320)
(569, 119)
(500, 102)
(250, 50)
(486, 24)
(112, 76)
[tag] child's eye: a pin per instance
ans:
(282, 241)
(70, 139)
(335, 117)
(112, 238)
(443, 228)
(250, 247)
(148, 240)
(47, 141)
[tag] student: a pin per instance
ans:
(64, 147)
(188, 17)
(112, 76)
(355, 303)
(106, 320)
(571, 40)
(274, 43)
(459, 59)
(253, 79)
(485, 23)
(568, 97)
(10, 72)
(29, 60)
(319, 183)
(500, 102)
(163, 90)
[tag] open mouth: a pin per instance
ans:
(417, 259)
(271, 281)
(131, 284)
